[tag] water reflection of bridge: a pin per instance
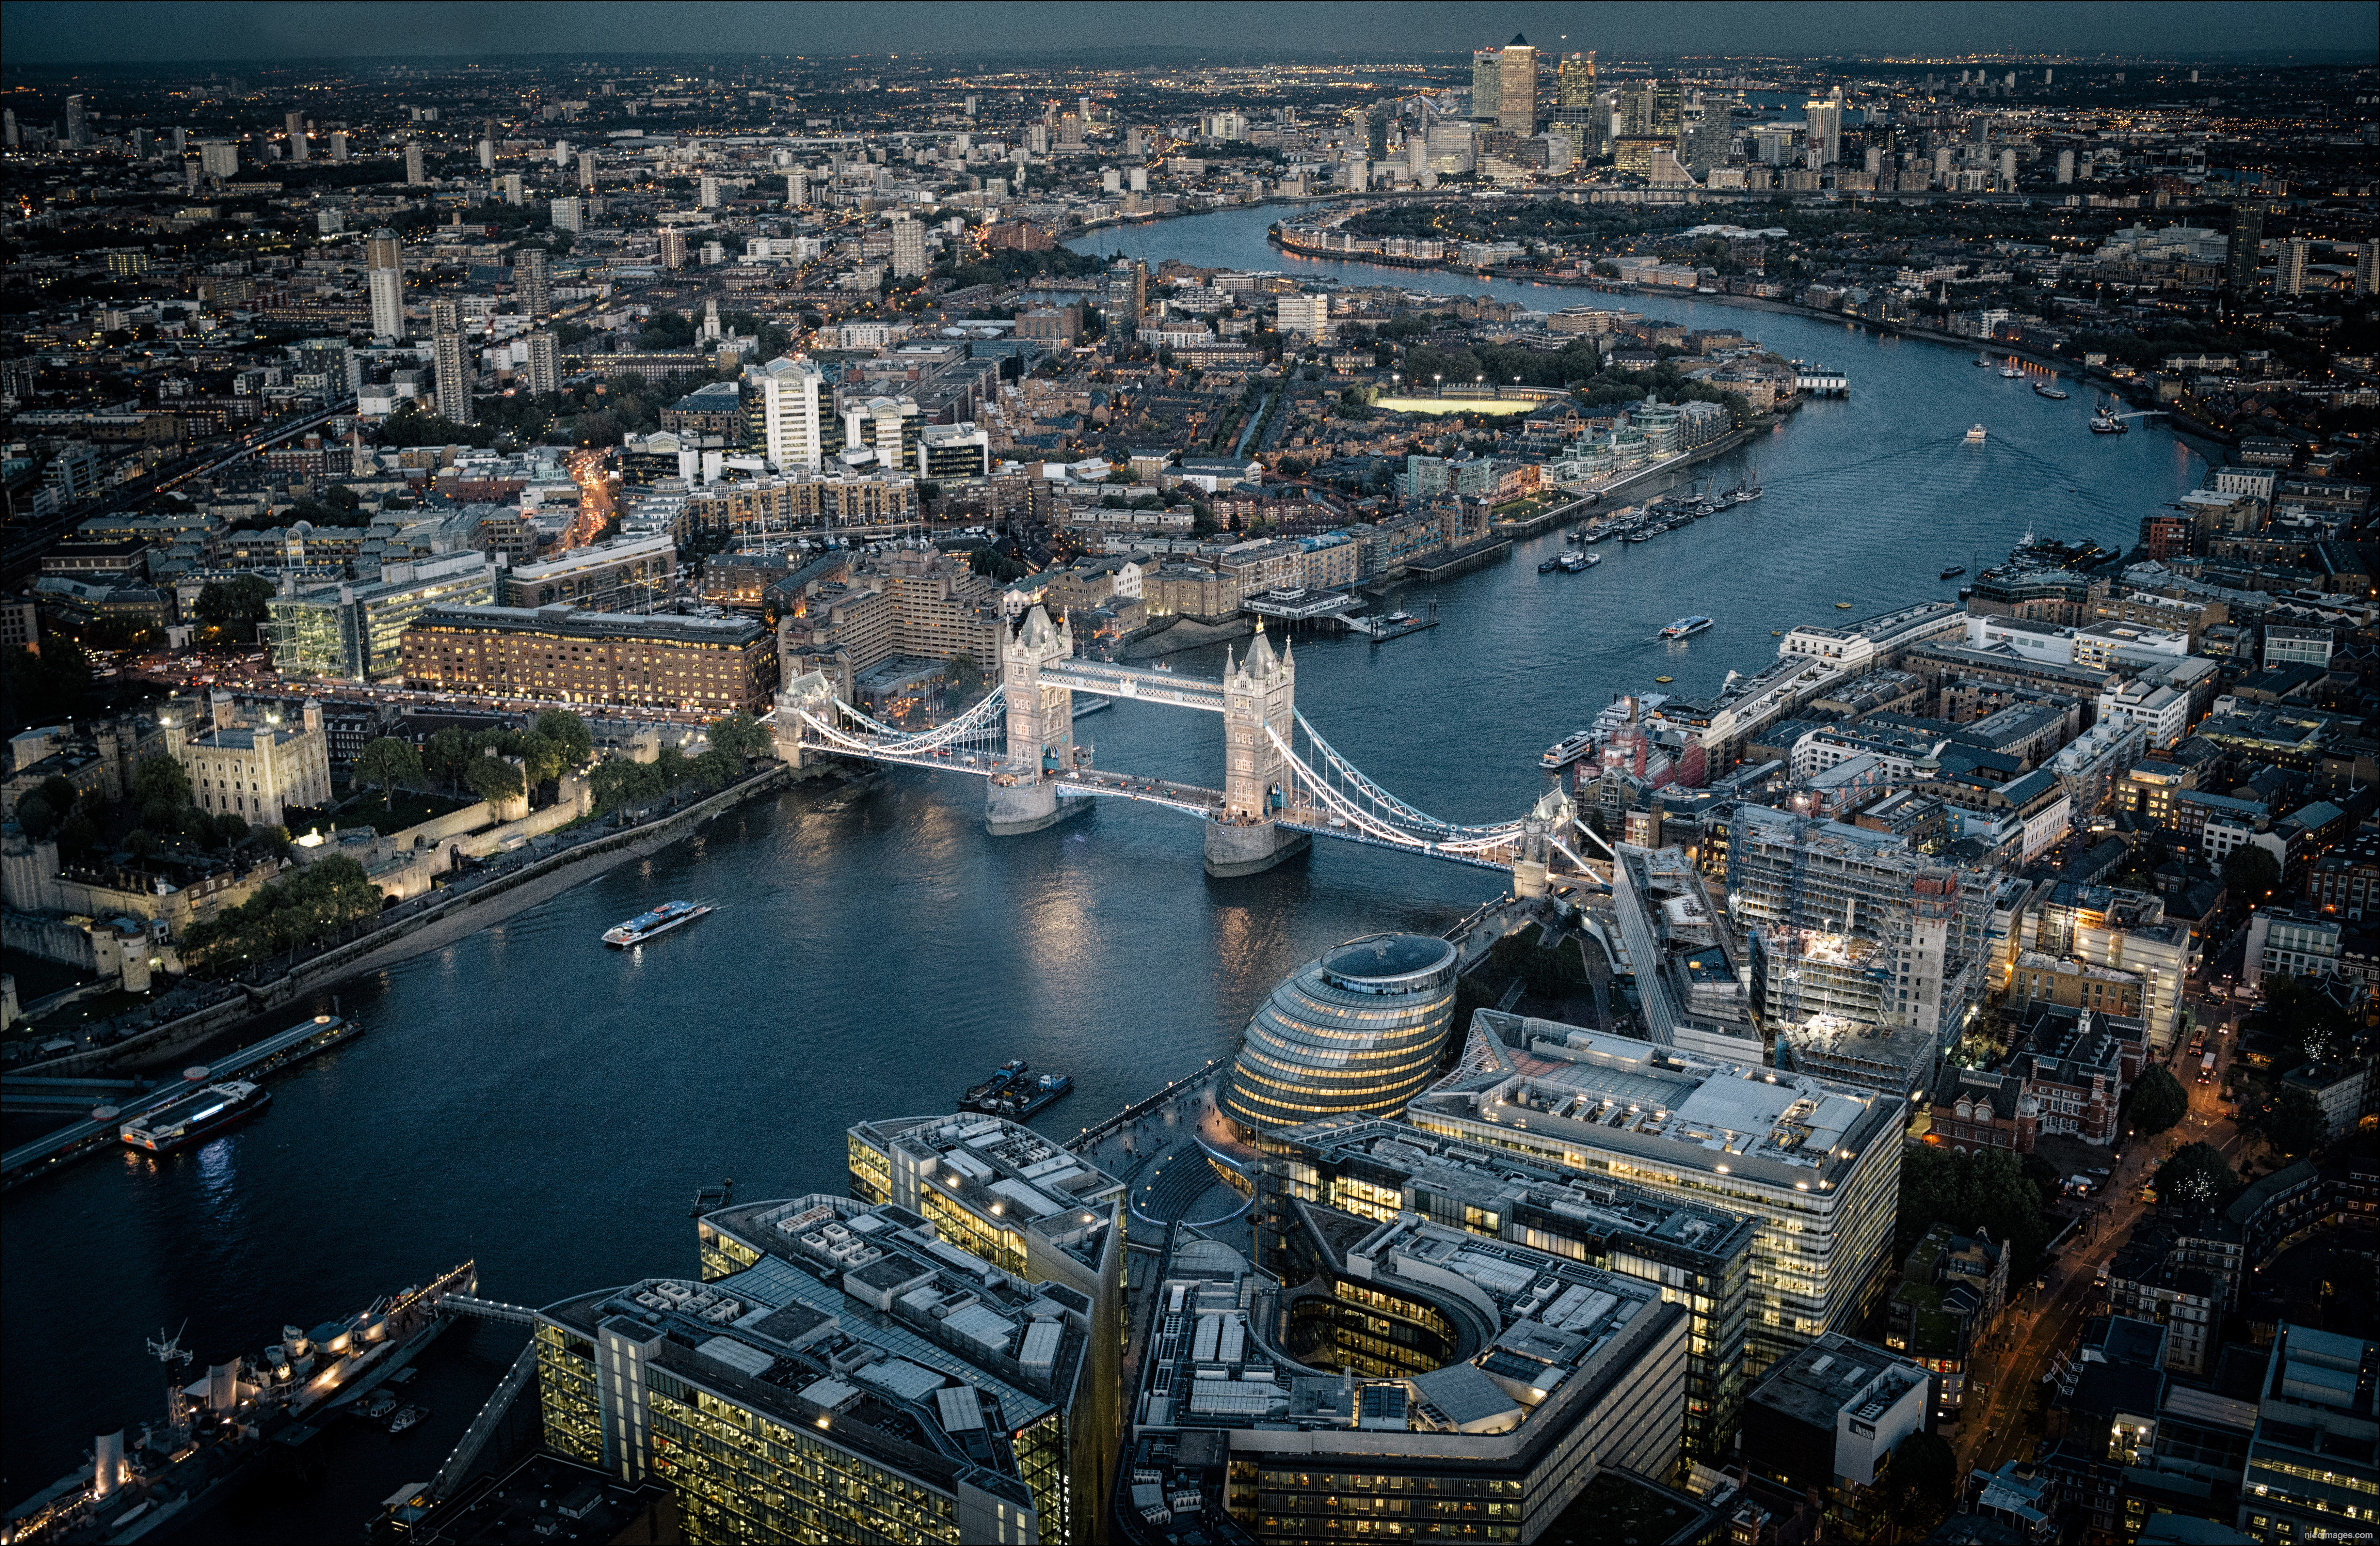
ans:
(1283, 785)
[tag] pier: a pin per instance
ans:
(76, 1139)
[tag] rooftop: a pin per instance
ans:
(572, 622)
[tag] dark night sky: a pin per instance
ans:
(122, 32)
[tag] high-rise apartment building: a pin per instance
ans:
(2367, 268)
(567, 213)
(795, 403)
(908, 250)
(1822, 120)
(510, 185)
(2065, 167)
(2244, 249)
(673, 247)
(413, 177)
(218, 158)
(543, 365)
(1516, 88)
(486, 151)
(531, 290)
(798, 188)
(709, 196)
(451, 362)
(2292, 277)
(339, 152)
(1126, 296)
(385, 288)
(294, 124)
(587, 169)
(77, 123)
(1816, 1164)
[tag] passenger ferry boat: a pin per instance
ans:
(660, 920)
(2011, 372)
(2044, 389)
(2105, 423)
(1976, 435)
(195, 1117)
(1686, 628)
(1569, 750)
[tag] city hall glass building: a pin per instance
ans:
(1356, 1033)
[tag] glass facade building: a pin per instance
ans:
(847, 1376)
(357, 632)
(1815, 1166)
(1358, 1032)
(1701, 1255)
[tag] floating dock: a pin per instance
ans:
(78, 1139)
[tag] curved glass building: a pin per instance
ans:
(1356, 1033)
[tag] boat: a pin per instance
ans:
(1085, 704)
(1638, 537)
(1982, 363)
(1569, 750)
(2104, 422)
(2044, 389)
(1664, 679)
(1976, 435)
(2009, 372)
(406, 1416)
(1686, 628)
(1953, 572)
(1549, 565)
(379, 1405)
(1587, 560)
(1577, 563)
(1014, 1068)
(195, 1117)
(1399, 619)
(660, 920)
(1023, 1097)
(1594, 537)
(219, 1429)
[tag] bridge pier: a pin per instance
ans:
(1235, 848)
(1014, 810)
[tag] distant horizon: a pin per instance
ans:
(66, 34)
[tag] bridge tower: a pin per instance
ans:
(1023, 797)
(1549, 817)
(1260, 692)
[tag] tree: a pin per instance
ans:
(493, 778)
(2249, 873)
(1919, 1483)
(229, 831)
(715, 769)
(570, 732)
(386, 764)
(964, 675)
(234, 606)
(1984, 1189)
(2156, 1102)
(542, 757)
(739, 736)
(158, 779)
(37, 816)
(2197, 1176)
(447, 755)
(77, 834)
(2289, 1118)
(618, 784)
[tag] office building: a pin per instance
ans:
(1687, 967)
(451, 360)
(1412, 1381)
(385, 289)
(1700, 1255)
(1818, 1165)
(557, 652)
(541, 369)
(2243, 249)
(629, 574)
(255, 771)
(998, 1190)
(908, 249)
(357, 631)
(531, 290)
(2312, 1474)
(1487, 83)
(859, 1379)
(1355, 1032)
(1826, 1418)
(413, 177)
(1516, 88)
(295, 124)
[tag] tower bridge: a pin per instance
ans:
(1282, 784)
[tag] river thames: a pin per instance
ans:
(547, 1107)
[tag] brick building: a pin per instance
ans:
(557, 652)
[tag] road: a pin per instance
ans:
(2037, 1327)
